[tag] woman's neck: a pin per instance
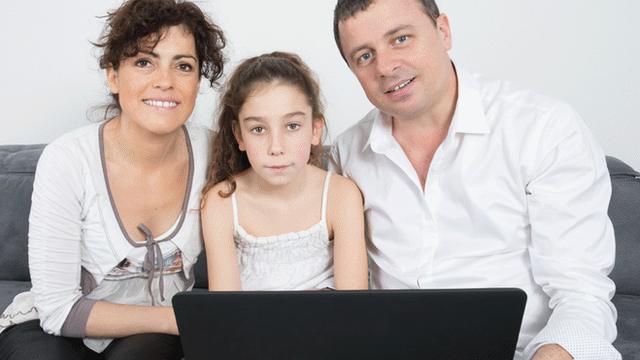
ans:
(132, 144)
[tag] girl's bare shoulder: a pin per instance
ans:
(343, 187)
(218, 196)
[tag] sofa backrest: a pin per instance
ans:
(18, 163)
(624, 211)
(17, 166)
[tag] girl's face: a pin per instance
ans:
(157, 88)
(276, 129)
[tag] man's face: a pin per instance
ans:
(399, 57)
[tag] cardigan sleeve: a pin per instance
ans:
(55, 241)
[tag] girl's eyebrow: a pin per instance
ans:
(253, 118)
(286, 116)
(295, 113)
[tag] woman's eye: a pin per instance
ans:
(185, 67)
(142, 63)
(257, 130)
(293, 126)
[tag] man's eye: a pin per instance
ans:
(365, 57)
(257, 130)
(293, 126)
(185, 67)
(402, 38)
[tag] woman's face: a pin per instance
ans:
(157, 88)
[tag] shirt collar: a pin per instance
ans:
(381, 133)
(468, 118)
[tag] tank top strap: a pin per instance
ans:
(234, 205)
(325, 192)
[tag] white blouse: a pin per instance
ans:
(75, 236)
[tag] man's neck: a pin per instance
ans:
(436, 118)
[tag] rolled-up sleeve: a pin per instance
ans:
(572, 249)
(55, 242)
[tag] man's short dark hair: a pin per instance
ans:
(348, 8)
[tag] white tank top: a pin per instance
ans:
(292, 261)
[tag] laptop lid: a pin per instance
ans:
(378, 324)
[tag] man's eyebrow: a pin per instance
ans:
(397, 29)
(387, 34)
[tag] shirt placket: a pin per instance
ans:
(430, 235)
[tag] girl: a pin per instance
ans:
(273, 220)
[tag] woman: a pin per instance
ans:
(114, 228)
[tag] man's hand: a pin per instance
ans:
(552, 352)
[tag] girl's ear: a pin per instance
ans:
(318, 129)
(238, 135)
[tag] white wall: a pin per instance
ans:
(583, 52)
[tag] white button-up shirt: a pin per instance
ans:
(516, 196)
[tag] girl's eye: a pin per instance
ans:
(257, 130)
(142, 63)
(185, 67)
(293, 126)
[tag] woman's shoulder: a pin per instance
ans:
(73, 145)
(84, 134)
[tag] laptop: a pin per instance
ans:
(377, 324)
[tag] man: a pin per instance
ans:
(471, 183)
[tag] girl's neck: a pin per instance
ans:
(287, 192)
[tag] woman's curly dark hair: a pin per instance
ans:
(136, 23)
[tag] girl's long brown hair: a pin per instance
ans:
(227, 160)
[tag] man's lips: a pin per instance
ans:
(400, 85)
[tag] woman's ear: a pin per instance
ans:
(112, 79)
(318, 130)
(238, 135)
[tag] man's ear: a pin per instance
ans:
(112, 79)
(238, 135)
(318, 130)
(444, 30)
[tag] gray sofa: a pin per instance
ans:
(18, 162)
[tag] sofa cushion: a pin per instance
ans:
(624, 211)
(9, 289)
(17, 166)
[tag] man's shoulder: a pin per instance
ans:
(502, 96)
(501, 93)
(357, 134)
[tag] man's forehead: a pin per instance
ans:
(381, 18)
